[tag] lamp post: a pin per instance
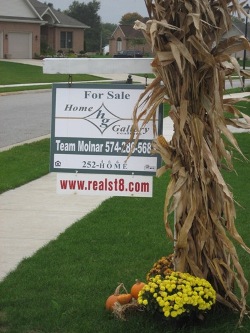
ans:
(247, 9)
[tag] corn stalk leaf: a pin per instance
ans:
(192, 60)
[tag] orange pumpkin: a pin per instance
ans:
(110, 302)
(136, 288)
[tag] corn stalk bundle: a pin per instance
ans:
(191, 63)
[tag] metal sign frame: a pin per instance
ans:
(90, 128)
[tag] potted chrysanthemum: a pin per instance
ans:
(177, 295)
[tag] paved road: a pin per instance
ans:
(236, 84)
(24, 117)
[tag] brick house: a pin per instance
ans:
(125, 37)
(239, 29)
(25, 25)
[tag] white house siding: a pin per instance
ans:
(20, 8)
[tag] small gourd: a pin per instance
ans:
(124, 298)
(136, 288)
(118, 296)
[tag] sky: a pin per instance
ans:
(111, 11)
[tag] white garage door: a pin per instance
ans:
(20, 45)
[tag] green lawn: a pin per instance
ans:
(15, 73)
(24, 163)
(63, 287)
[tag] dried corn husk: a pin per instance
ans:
(120, 311)
(192, 61)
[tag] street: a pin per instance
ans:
(236, 83)
(24, 116)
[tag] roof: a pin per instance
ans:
(241, 26)
(129, 32)
(59, 18)
(67, 21)
(20, 19)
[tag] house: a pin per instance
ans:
(125, 37)
(239, 28)
(26, 26)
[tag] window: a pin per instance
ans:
(66, 40)
(118, 44)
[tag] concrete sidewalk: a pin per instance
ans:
(32, 215)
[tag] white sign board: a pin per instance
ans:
(97, 65)
(91, 125)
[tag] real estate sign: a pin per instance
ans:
(91, 126)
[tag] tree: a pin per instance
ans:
(130, 18)
(137, 42)
(107, 30)
(88, 14)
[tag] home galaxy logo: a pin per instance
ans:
(102, 118)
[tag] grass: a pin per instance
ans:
(22, 88)
(243, 107)
(22, 164)
(63, 287)
(15, 73)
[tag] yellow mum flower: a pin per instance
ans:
(180, 311)
(159, 299)
(162, 303)
(166, 314)
(174, 314)
(173, 294)
(176, 307)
